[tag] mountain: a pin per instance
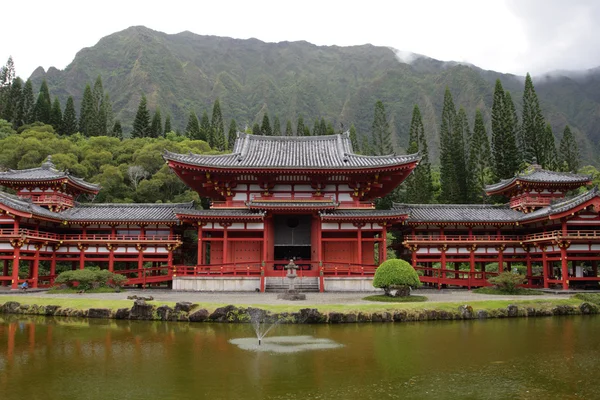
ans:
(185, 71)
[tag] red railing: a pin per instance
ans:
(572, 235)
(230, 269)
(537, 201)
(29, 233)
(347, 269)
(49, 199)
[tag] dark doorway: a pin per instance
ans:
(292, 237)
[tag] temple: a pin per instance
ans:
(310, 199)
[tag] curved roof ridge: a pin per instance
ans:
(462, 206)
(189, 204)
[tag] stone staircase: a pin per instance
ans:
(279, 285)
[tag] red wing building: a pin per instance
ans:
(304, 198)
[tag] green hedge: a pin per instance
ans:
(395, 273)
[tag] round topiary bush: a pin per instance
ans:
(396, 274)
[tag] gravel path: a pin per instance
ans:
(271, 298)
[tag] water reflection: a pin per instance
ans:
(57, 358)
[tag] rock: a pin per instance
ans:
(431, 315)
(10, 307)
(122, 313)
(512, 311)
(482, 314)
(51, 310)
(445, 315)
(164, 312)
(223, 314)
(134, 297)
(381, 317)
(563, 310)
(141, 311)
(363, 317)
(350, 318)
(98, 313)
(531, 312)
(400, 316)
(465, 311)
(185, 306)
(311, 316)
(200, 315)
(587, 308)
(336, 318)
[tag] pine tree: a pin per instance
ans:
(381, 133)
(218, 127)
(550, 158)
(69, 121)
(7, 77)
(513, 156)
(141, 123)
(192, 130)
(329, 129)
(106, 117)
(448, 180)
(206, 132)
(323, 127)
(289, 131)
(117, 130)
(56, 116)
(43, 105)
(533, 127)
(98, 125)
(11, 110)
(316, 128)
(569, 152)
(168, 125)
(276, 126)
(300, 126)
(86, 113)
(156, 125)
(419, 188)
(479, 156)
(498, 132)
(26, 107)
(265, 128)
(306, 131)
(256, 129)
(232, 134)
(354, 138)
(460, 154)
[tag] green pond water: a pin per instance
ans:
(545, 358)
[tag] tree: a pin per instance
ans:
(11, 109)
(232, 134)
(256, 129)
(86, 113)
(419, 188)
(192, 130)
(117, 130)
(533, 126)
(7, 77)
(56, 116)
(141, 124)
(448, 180)
(276, 126)
(513, 156)
(98, 122)
(168, 125)
(479, 156)
(69, 121)
(206, 132)
(329, 130)
(396, 274)
(265, 128)
(549, 156)
(156, 125)
(217, 127)
(136, 173)
(568, 152)
(498, 132)
(381, 133)
(288, 128)
(323, 127)
(316, 128)
(353, 138)
(300, 126)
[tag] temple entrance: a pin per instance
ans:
(292, 240)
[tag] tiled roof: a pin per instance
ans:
(290, 152)
(47, 172)
(26, 206)
(457, 213)
(292, 204)
(118, 212)
(562, 205)
(361, 214)
(237, 213)
(539, 175)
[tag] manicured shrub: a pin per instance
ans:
(507, 281)
(396, 275)
(89, 278)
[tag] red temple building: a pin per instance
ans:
(310, 199)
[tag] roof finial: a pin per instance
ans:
(48, 163)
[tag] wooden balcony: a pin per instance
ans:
(530, 201)
(54, 199)
(87, 238)
(578, 235)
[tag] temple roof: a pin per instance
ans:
(535, 174)
(26, 206)
(300, 205)
(562, 205)
(362, 214)
(457, 213)
(121, 212)
(292, 152)
(46, 173)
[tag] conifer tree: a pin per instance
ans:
(323, 127)
(479, 157)
(513, 156)
(106, 117)
(206, 132)
(448, 179)
(316, 128)
(141, 124)
(288, 128)
(26, 108)
(98, 122)
(300, 126)
(533, 126)
(568, 152)
(265, 128)
(192, 130)
(330, 130)
(306, 131)
(7, 77)
(354, 139)
(117, 130)
(365, 146)
(381, 133)
(276, 126)
(69, 121)
(419, 188)
(156, 125)
(462, 134)
(256, 129)
(11, 109)
(86, 113)
(43, 105)
(218, 127)
(168, 124)
(498, 132)
(232, 134)
(549, 159)
(56, 116)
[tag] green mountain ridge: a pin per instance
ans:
(185, 71)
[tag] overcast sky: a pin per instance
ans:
(514, 36)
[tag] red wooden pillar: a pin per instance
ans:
(564, 265)
(225, 243)
(413, 249)
(529, 272)
(384, 245)
(500, 250)
(53, 266)
(15, 268)
(544, 267)
(82, 257)
(471, 262)
(5, 272)
(111, 257)
(359, 243)
(320, 255)
(443, 249)
(36, 266)
(200, 259)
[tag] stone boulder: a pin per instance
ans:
(587, 308)
(482, 314)
(141, 311)
(512, 311)
(465, 311)
(400, 316)
(10, 307)
(224, 314)
(50, 310)
(200, 315)
(184, 306)
(311, 316)
(122, 313)
(363, 317)
(164, 312)
(98, 313)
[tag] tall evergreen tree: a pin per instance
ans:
(168, 125)
(98, 124)
(56, 116)
(354, 139)
(192, 130)
(549, 158)
(513, 156)
(276, 126)
(141, 123)
(300, 126)
(533, 126)
(448, 180)
(460, 154)
(117, 130)
(289, 131)
(87, 115)
(7, 77)
(265, 128)
(306, 131)
(26, 107)
(256, 129)
(419, 188)
(330, 130)
(479, 157)
(69, 121)
(316, 128)
(232, 134)
(218, 127)
(11, 109)
(156, 125)
(381, 133)
(106, 115)
(568, 152)
(498, 132)
(43, 105)
(323, 127)
(206, 132)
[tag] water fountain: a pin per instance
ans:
(291, 293)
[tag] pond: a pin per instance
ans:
(544, 358)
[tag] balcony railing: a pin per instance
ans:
(50, 199)
(553, 235)
(532, 201)
(29, 233)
